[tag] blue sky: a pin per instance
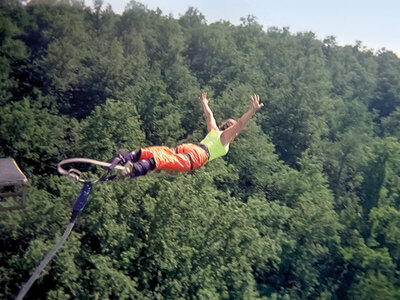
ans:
(375, 23)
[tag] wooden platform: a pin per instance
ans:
(12, 185)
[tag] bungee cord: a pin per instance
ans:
(25, 288)
(79, 205)
(76, 174)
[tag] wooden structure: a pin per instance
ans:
(12, 185)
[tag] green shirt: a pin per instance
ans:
(213, 142)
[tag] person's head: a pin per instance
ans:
(226, 124)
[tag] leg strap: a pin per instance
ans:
(141, 168)
(130, 156)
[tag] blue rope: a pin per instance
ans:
(79, 205)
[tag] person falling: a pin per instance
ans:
(188, 156)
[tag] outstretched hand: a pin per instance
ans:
(255, 103)
(203, 98)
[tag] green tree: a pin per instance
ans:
(211, 51)
(373, 267)
(391, 123)
(112, 125)
(381, 183)
(297, 95)
(353, 71)
(387, 95)
(35, 136)
(373, 286)
(12, 53)
(312, 248)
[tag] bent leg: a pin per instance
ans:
(167, 159)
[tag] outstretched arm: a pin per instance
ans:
(211, 124)
(230, 133)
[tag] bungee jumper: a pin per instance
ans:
(183, 158)
(188, 156)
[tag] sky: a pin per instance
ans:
(375, 23)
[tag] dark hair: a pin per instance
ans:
(227, 123)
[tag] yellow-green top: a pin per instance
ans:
(213, 142)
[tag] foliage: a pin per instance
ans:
(305, 205)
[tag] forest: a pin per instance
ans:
(306, 204)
